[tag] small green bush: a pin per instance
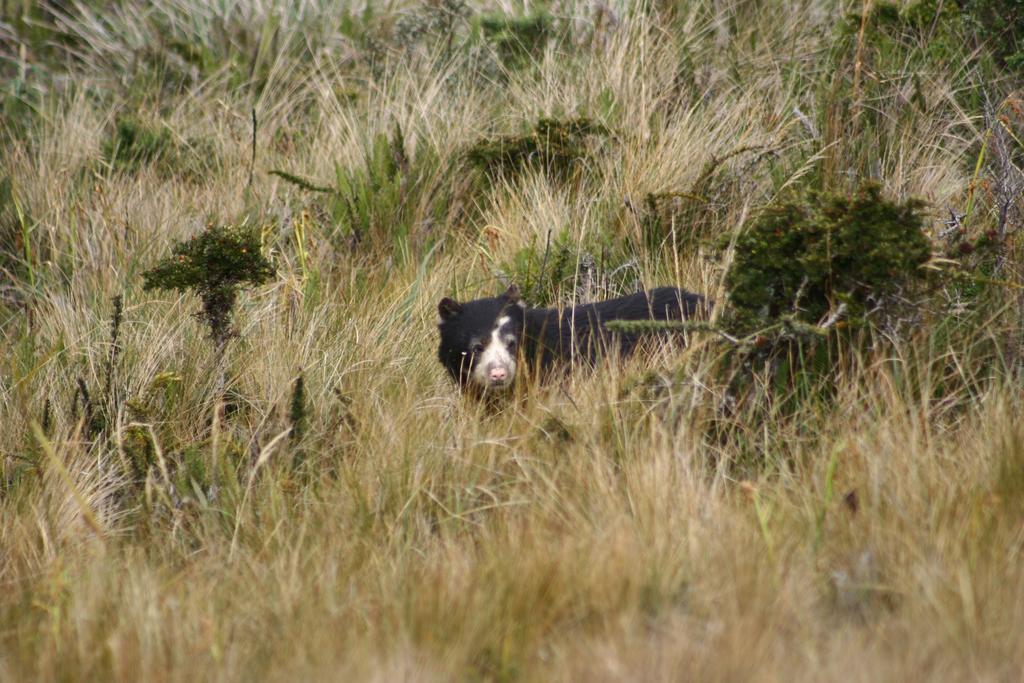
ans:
(804, 257)
(214, 264)
(556, 146)
(518, 41)
(368, 200)
(559, 270)
(1001, 24)
(390, 199)
(134, 144)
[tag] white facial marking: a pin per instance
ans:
(496, 364)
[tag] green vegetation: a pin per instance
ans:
(134, 145)
(558, 271)
(214, 264)
(806, 258)
(827, 479)
(555, 146)
(518, 41)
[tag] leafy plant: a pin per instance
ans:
(383, 199)
(517, 40)
(562, 271)
(214, 264)
(804, 258)
(1001, 24)
(556, 146)
(135, 144)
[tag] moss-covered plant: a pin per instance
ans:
(556, 146)
(805, 273)
(214, 265)
(806, 257)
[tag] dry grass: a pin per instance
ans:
(592, 530)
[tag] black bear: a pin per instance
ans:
(484, 342)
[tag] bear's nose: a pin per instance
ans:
(498, 374)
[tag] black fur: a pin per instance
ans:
(547, 337)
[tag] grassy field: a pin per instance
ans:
(174, 511)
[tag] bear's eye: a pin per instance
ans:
(478, 349)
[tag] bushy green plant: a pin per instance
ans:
(1001, 24)
(367, 198)
(560, 270)
(805, 257)
(214, 264)
(556, 146)
(380, 200)
(134, 144)
(517, 40)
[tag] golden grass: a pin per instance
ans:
(588, 531)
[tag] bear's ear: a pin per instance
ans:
(448, 308)
(514, 296)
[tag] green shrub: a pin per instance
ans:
(518, 41)
(134, 144)
(562, 271)
(1001, 24)
(380, 201)
(804, 258)
(556, 146)
(214, 264)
